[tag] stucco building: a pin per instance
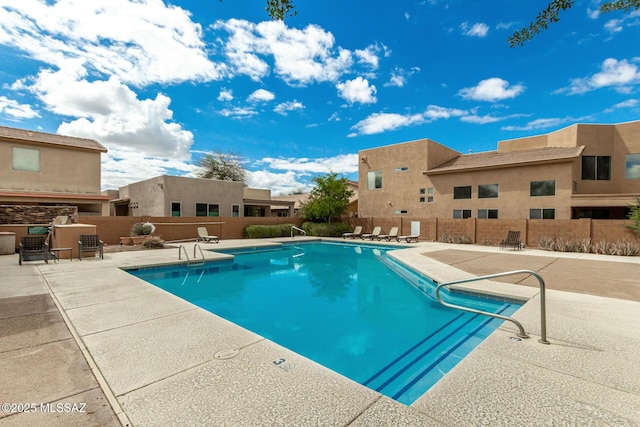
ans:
(581, 171)
(45, 169)
(168, 195)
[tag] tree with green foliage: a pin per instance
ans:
(280, 9)
(222, 166)
(328, 199)
(552, 12)
(634, 215)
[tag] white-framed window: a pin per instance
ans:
(596, 168)
(207, 209)
(26, 159)
(176, 208)
(401, 169)
(235, 211)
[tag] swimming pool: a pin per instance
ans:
(349, 307)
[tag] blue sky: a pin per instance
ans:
(159, 83)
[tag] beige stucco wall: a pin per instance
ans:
(154, 196)
(401, 189)
(62, 170)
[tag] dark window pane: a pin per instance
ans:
(201, 209)
(462, 192)
(487, 191)
(588, 167)
(548, 214)
(535, 213)
(543, 188)
(603, 168)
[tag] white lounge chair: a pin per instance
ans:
(373, 235)
(393, 233)
(203, 235)
(409, 238)
(357, 231)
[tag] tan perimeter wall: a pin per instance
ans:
(492, 231)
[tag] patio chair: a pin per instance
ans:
(357, 232)
(203, 234)
(373, 235)
(34, 248)
(393, 233)
(90, 243)
(408, 238)
(512, 241)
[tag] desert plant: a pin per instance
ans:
(546, 243)
(153, 242)
(584, 245)
(625, 248)
(142, 229)
(450, 238)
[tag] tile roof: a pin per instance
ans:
(49, 138)
(493, 159)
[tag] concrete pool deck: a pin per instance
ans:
(89, 333)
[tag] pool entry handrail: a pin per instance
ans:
(182, 249)
(521, 333)
(293, 227)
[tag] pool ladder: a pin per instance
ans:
(299, 229)
(196, 261)
(521, 333)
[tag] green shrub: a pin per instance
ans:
(265, 231)
(323, 229)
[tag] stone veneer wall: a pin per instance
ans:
(26, 214)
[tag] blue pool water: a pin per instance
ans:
(348, 307)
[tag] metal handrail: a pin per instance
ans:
(201, 253)
(522, 333)
(183, 249)
(299, 229)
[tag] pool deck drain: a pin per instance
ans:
(157, 354)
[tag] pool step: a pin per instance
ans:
(413, 372)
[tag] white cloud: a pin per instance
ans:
(492, 90)
(476, 30)
(620, 74)
(237, 112)
(593, 13)
(225, 95)
(399, 76)
(540, 124)
(343, 163)
(301, 56)
(382, 122)
(435, 112)
(136, 41)
(122, 166)
(285, 107)
(278, 183)
(505, 25)
(15, 110)
(357, 90)
(369, 55)
(629, 103)
(481, 120)
(627, 20)
(261, 95)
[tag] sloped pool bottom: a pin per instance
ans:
(340, 306)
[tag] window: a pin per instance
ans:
(401, 169)
(430, 190)
(176, 208)
(488, 213)
(422, 191)
(422, 200)
(201, 209)
(235, 211)
(399, 211)
(487, 191)
(26, 159)
(374, 180)
(207, 209)
(461, 213)
(543, 188)
(542, 213)
(429, 199)
(632, 167)
(596, 168)
(462, 192)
